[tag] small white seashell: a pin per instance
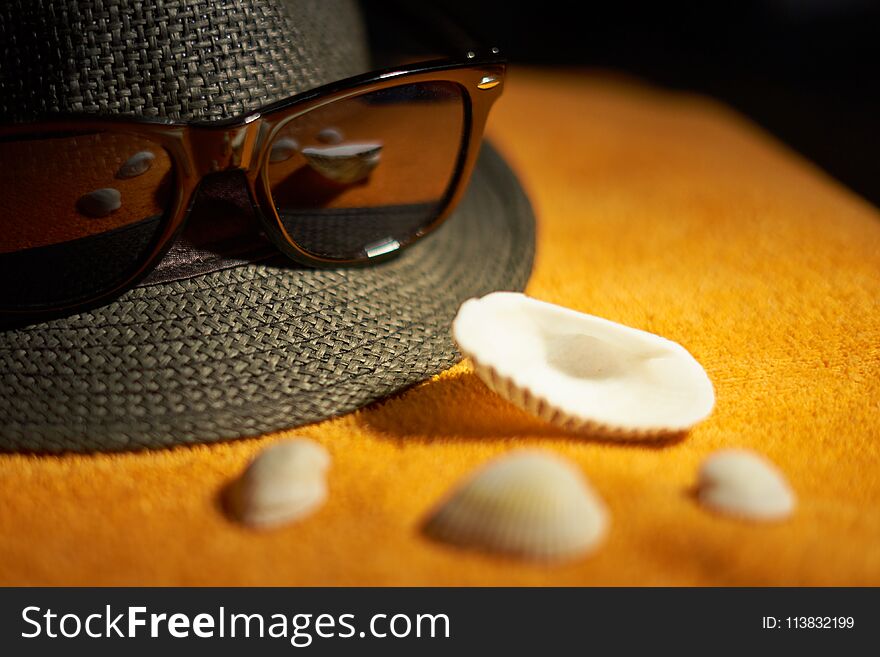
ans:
(530, 504)
(100, 202)
(330, 135)
(346, 163)
(742, 483)
(286, 482)
(283, 149)
(581, 372)
(138, 164)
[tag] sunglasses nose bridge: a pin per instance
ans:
(216, 149)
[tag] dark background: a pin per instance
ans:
(806, 70)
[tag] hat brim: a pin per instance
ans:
(262, 346)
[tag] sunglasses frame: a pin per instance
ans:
(242, 143)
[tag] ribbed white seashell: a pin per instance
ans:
(742, 483)
(100, 202)
(530, 503)
(283, 149)
(137, 165)
(581, 372)
(330, 135)
(345, 163)
(286, 482)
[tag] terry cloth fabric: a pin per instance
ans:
(663, 211)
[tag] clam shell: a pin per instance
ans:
(283, 149)
(742, 483)
(345, 163)
(286, 482)
(530, 504)
(99, 203)
(330, 135)
(137, 165)
(580, 372)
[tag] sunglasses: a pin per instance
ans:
(346, 174)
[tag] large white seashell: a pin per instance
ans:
(330, 135)
(345, 163)
(581, 372)
(283, 149)
(286, 482)
(742, 483)
(137, 165)
(100, 202)
(530, 503)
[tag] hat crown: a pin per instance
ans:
(180, 59)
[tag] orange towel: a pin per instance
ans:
(662, 211)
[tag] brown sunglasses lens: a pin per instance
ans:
(81, 212)
(361, 177)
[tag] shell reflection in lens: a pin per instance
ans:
(82, 213)
(369, 173)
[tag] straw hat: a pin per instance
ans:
(226, 339)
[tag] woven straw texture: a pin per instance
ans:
(250, 348)
(181, 59)
(262, 346)
(664, 211)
